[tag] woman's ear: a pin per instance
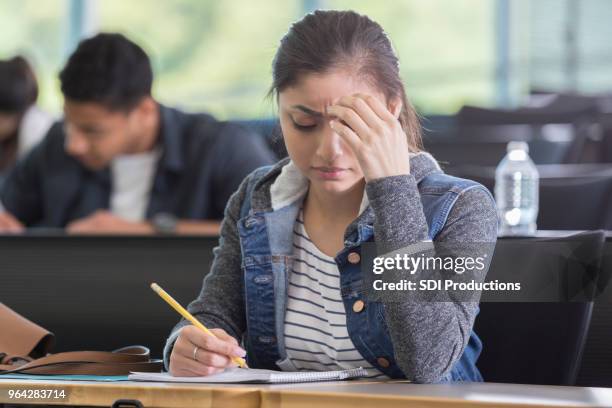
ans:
(395, 107)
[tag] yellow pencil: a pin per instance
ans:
(183, 312)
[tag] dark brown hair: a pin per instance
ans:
(110, 70)
(326, 40)
(18, 86)
(18, 91)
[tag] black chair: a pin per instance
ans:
(576, 204)
(572, 197)
(438, 124)
(487, 146)
(605, 148)
(564, 112)
(580, 115)
(596, 368)
(464, 152)
(537, 343)
(599, 144)
(270, 130)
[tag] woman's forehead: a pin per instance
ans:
(316, 91)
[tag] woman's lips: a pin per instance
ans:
(329, 173)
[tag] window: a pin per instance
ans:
(445, 47)
(210, 55)
(570, 48)
(216, 55)
(36, 29)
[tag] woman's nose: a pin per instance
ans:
(330, 145)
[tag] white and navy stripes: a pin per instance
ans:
(316, 337)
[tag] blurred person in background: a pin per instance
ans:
(120, 162)
(22, 123)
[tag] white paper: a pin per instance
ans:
(251, 375)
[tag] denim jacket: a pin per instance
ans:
(264, 233)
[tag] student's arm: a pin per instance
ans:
(429, 337)
(220, 303)
(189, 227)
(105, 222)
(21, 196)
(8, 223)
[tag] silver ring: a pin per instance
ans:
(195, 353)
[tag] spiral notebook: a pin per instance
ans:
(255, 376)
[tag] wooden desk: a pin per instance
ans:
(150, 394)
(334, 394)
(395, 395)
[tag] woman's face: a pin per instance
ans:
(320, 153)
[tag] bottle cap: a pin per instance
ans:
(518, 146)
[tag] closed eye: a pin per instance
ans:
(304, 128)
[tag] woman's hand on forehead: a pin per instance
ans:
(373, 132)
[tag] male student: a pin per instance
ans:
(120, 162)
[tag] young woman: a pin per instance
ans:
(22, 124)
(286, 281)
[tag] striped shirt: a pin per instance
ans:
(316, 337)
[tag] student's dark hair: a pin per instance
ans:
(110, 70)
(326, 40)
(18, 86)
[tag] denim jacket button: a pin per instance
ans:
(383, 362)
(354, 258)
(358, 306)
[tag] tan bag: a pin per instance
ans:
(24, 348)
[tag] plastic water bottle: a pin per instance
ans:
(516, 191)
